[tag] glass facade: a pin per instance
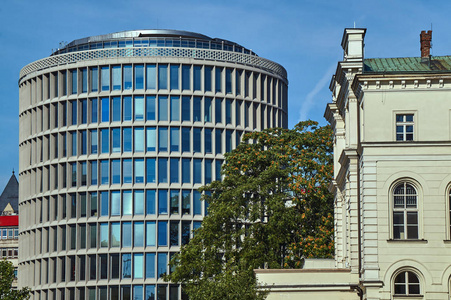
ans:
(114, 170)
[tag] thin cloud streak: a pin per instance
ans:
(309, 101)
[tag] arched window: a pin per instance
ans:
(405, 212)
(406, 283)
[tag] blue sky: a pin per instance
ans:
(302, 35)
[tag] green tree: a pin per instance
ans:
(6, 280)
(272, 200)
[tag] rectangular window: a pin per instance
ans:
(150, 233)
(228, 81)
(228, 140)
(73, 74)
(115, 203)
(94, 173)
(163, 139)
(139, 171)
(127, 108)
(94, 79)
(150, 202)
(138, 263)
(197, 109)
(151, 77)
(150, 170)
(74, 143)
(207, 79)
(116, 109)
(162, 170)
(150, 108)
(175, 77)
(404, 127)
(186, 108)
(197, 208)
(93, 201)
(139, 139)
(197, 134)
(218, 110)
(126, 234)
(174, 168)
(208, 169)
(186, 137)
(186, 232)
(207, 109)
(197, 170)
(163, 202)
(218, 164)
(116, 140)
(105, 78)
(238, 105)
(104, 204)
(162, 233)
(115, 171)
(162, 77)
(93, 141)
(127, 77)
(186, 170)
(186, 77)
(84, 111)
(127, 140)
(207, 140)
(218, 80)
(175, 108)
(139, 108)
(94, 112)
(104, 172)
(218, 141)
(139, 77)
(115, 234)
(84, 80)
(84, 143)
(117, 78)
(138, 202)
(126, 266)
(162, 108)
(175, 139)
(150, 273)
(103, 235)
(228, 104)
(138, 234)
(127, 171)
(174, 233)
(73, 105)
(197, 77)
(105, 110)
(151, 138)
(174, 202)
(238, 82)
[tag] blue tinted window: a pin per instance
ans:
(115, 234)
(126, 234)
(126, 268)
(150, 273)
(218, 110)
(238, 82)
(163, 202)
(104, 172)
(150, 108)
(207, 140)
(228, 140)
(116, 140)
(115, 203)
(174, 139)
(105, 78)
(197, 77)
(104, 204)
(103, 235)
(162, 108)
(127, 139)
(84, 145)
(94, 79)
(228, 81)
(115, 171)
(162, 233)
(174, 170)
(93, 110)
(139, 108)
(186, 202)
(94, 173)
(73, 105)
(175, 77)
(74, 143)
(186, 80)
(139, 77)
(175, 108)
(162, 77)
(139, 170)
(127, 203)
(186, 170)
(116, 109)
(197, 208)
(116, 71)
(207, 109)
(174, 200)
(127, 171)
(196, 109)
(218, 141)
(208, 72)
(84, 111)
(218, 164)
(151, 233)
(127, 109)
(186, 108)
(151, 77)
(150, 202)
(127, 77)
(150, 138)
(74, 81)
(138, 202)
(150, 292)
(162, 170)
(138, 234)
(84, 80)
(150, 170)
(228, 111)
(208, 168)
(186, 136)
(104, 140)
(197, 132)
(105, 110)
(186, 232)
(218, 80)
(162, 139)
(139, 139)
(197, 170)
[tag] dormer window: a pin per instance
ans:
(404, 127)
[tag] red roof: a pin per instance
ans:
(9, 221)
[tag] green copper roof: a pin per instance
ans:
(407, 65)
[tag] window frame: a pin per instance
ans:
(404, 123)
(418, 210)
(406, 284)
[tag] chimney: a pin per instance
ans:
(425, 42)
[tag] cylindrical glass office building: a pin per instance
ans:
(117, 133)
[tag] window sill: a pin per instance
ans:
(411, 297)
(422, 241)
(447, 241)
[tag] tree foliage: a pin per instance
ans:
(271, 210)
(6, 280)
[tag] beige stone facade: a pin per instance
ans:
(392, 156)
